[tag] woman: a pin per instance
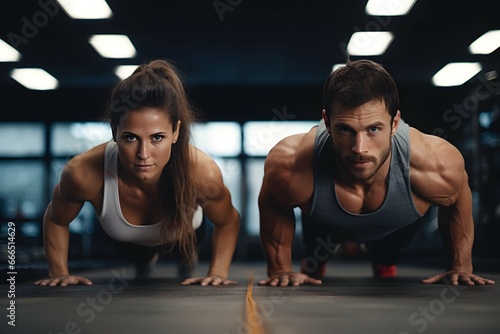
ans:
(148, 185)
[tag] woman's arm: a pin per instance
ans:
(65, 205)
(226, 220)
(215, 200)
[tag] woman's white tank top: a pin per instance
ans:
(112, 220)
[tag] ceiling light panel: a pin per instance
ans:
(124, 71)
(8, 53)
(487, 43)
(86, 9)
(34, 78)
(389, 7)
(455, 74)
(337, 66)
(113, 46)
(369, 43)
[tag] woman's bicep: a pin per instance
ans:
(214, 196)
(62, 210)
(218, 206)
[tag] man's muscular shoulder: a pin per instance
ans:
(437, 169)
(288, 168)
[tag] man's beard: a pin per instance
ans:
(362, 174)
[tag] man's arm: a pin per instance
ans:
(277, 230)
(443, 181)
(283, 188)
(456, 228)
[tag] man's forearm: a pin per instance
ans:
(276, 235)
(277, 230)
(278, 255)
(456, 227)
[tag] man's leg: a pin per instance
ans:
(318, 247)
(384, 253)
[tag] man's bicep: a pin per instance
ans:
(275, 207)
(442, 177)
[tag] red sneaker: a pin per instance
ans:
(384, 270)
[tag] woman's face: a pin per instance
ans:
(145, 138)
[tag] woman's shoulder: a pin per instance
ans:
(82, 176)
(207, 175)
(203, 164)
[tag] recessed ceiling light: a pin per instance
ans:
(369, 43)
(8, 53)
(34, 78)
(337, 66)
(389, 7)
(124, 71)
(113, 46)
(86, 9)
(455, 74)
(487, 43)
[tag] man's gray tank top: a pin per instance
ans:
(397, 210)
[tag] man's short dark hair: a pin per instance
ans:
(357, 83)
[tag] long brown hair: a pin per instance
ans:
(157, 85)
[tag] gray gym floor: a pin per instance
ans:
(349, 301)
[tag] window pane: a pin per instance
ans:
(255, 173)
(22, 190)
(56, 167)
(260, 137)
(22, 139)
(221, 139)
(231, 174)
(69, 139)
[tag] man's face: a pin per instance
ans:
(362, 139)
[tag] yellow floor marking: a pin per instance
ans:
(253, 317)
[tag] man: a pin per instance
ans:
(355, 177)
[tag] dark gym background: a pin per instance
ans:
(257, 61)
